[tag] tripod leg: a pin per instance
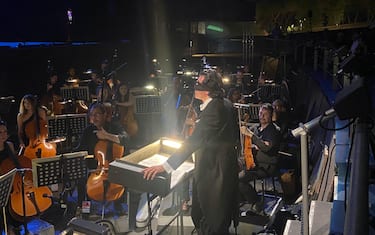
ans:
(5, 222)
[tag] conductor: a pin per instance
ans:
(215, 190)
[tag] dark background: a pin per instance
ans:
(107, 20)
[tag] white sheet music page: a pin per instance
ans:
(177, 175)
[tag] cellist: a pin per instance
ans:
(101, 128)
(33, 130)
(265, 139)
(7, 151)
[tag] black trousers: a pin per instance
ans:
(246, 190)
(199, 220)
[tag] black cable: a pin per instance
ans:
(334, 129)
(348, 166)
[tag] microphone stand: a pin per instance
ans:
(22, 172)
(302, 132)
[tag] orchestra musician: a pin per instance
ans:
(93, 85)
(7, 151)
(215, 180)
(101, 128)
(109, 82)
(51, 96)
(265, 140)
(29, 110)
(72, 79)
(124, 106)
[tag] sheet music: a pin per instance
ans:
(176, 175)
(127, 166)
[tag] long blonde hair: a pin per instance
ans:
(29, 98)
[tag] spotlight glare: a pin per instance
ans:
(226, 80)
(171, 143)
(149, 87)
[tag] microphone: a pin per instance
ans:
(252, 93)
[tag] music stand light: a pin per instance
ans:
(6, 183)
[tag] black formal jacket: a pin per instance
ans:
(216, 171)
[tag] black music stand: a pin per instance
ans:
(75, 93)
(6, 183)
(59, 169)
(63, 168)
(5, 104)
(70, 126)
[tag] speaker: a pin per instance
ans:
(353, 101)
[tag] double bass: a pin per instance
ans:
(98, 186)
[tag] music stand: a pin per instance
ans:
(5, 104)
(68, 125)
(75, 93)
(269, 92)
(58, 169)
(6, 183)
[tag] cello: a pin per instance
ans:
(98, 186)
(36, 131)
(26, 200)
(246, 144)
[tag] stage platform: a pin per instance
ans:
(166, 219)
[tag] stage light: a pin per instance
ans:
(149, 87)
(226, 80)
(215, 28)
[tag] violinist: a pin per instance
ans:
(101, 128)
(7, 151)
(26, 117)
(72, 79)
(51, 96)
(109, 82)
(266, 143)
(93, 85)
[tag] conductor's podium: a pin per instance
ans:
(127, 171)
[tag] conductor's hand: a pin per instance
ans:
(149, 173)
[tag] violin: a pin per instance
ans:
(35, 199)
(98, 186)
(191, 117)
